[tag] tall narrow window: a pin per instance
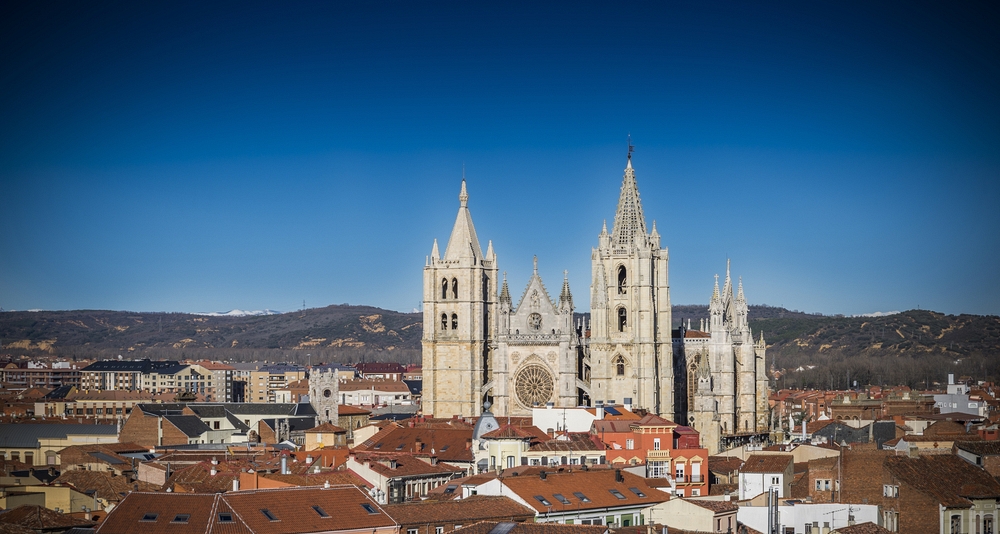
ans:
(620, 365)
(444, 321)
(454, 321)
(622, 280)
(444, 289)
(454, 288)
(622, 319)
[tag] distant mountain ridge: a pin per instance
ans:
(915, 347)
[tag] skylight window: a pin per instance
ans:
(543, 500)
(369, 508)
(267, 513)
(638, 493)
(378, 446)
(320, 511)
(149, 517)
(451, 488)
(181, 518)
(581, 496)
(225, 517)
(400, 447)
(617, 493)
(559, 497)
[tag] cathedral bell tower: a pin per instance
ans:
(630, 347)
(460, 308)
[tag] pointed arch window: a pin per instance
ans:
(454, 288)
(619, 365)
(454, 321)
(444, 288)
(622, 280)
(622, 319)
(444, 321)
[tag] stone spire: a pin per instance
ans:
(505, 301)
(435, 253)
(630, 224)
(566, 297)
(727, 294)
(463, 243)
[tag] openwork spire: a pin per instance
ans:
(630, 224)
(505, 292)
(565, 297)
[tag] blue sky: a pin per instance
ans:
(192, 157)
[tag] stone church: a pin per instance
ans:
(482, 348)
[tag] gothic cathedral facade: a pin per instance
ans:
(482, 350)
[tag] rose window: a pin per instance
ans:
(533, 384)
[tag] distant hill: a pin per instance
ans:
(915, 347)
(325, 334)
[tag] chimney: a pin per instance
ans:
(599, 409)
(284, 465)
(618, 476)
(309, 459)
(541, 475)
(951, 379)
(213, 472)
(549, 405)
(468, 444)
(628, 403)
(236, 484)
(326, 484)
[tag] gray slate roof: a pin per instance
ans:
(190, 425)
(26, 436)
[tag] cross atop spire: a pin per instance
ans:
(535, 270)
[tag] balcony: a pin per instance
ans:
(658, 455)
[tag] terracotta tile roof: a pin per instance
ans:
(344, 409)
(406, 465)
(494, 527)
(449, 444)
(982, 448)
(862, 528)
(326, 428)
(8, 528)
(293, 510)
(339, 478)
(946, 478)
(594, 484)
(105, 485)
(716, 506)
(766, 463)
(474, 508)
(571, 442)
(509, 432)
(723, 489)
(724, 465)
(41, 518)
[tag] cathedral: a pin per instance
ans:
(482, 349)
